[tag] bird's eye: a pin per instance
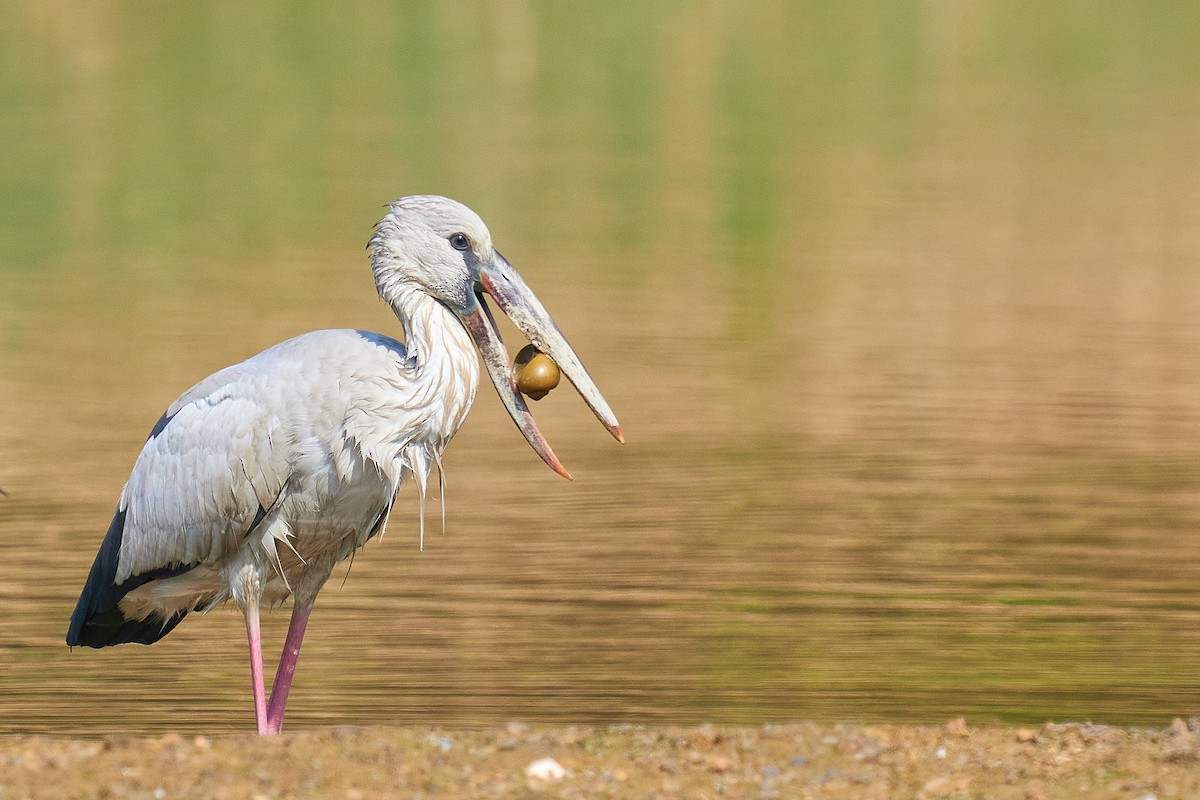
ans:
(459, 241)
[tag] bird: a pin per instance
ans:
(257, 481)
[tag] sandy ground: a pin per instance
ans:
(784, 761)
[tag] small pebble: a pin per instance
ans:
(939, 785)
(957, 727)
(719, 764)
(546, 769)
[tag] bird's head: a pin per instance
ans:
(443, 248)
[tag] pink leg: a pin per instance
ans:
(287, 667)
(256, 666)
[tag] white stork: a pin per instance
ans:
(261, 478)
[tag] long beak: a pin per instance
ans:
(521, 305)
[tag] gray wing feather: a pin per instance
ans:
(203, 478)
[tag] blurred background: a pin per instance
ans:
(898, 304)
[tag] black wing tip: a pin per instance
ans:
(111, 627)
(97, 620)
(100, 595)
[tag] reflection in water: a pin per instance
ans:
(898, 312)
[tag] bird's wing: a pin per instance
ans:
(213, 465)
(199, 476)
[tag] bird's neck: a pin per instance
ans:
(440, 352)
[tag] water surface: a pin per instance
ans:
(897, 307)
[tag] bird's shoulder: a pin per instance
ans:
(302, 364)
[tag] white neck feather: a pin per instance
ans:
(443, 358)
(431, 400)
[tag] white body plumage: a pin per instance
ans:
(314, 436)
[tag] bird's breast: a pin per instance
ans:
(401, 415)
